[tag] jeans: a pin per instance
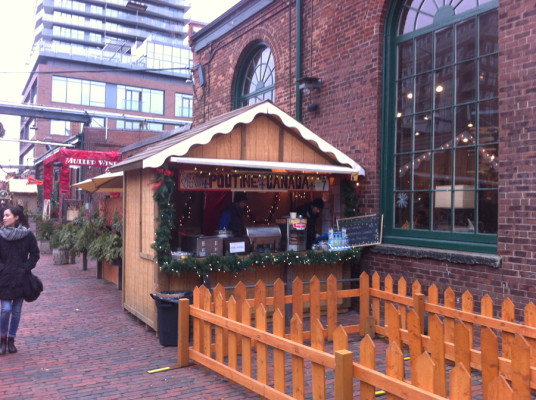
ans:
(13, 309)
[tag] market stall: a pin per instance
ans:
(175, 192)
(62, 161)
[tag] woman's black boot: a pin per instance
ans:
(11, 345)
(3, 344)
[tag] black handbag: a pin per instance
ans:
(32, 287)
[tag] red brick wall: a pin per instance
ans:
(342, 45)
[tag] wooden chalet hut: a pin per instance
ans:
(260, 138)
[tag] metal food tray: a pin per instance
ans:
(264, 231)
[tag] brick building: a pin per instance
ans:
(435, 101)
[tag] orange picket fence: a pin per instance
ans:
(248, 341)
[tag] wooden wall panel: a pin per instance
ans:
(262, 140)
(138, 273)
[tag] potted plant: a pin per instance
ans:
(87, 234)
(45, 230)
(107, 248)
(62, 243)
(67, 238)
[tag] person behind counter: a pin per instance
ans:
(311, 211)
(232, 217)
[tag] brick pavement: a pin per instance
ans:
(76, 342)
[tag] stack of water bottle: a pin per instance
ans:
(338, 240)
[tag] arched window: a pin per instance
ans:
(440, 124)
(256, 78)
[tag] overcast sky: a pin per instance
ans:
(16, 35)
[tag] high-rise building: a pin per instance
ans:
(124, 63)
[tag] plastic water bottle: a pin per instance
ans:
(330, 238)
(344, 238)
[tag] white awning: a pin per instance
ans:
(21, 186)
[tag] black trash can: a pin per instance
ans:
(167, 304)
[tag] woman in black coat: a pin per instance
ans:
(18, 255)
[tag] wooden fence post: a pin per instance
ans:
(344, 377)
(184, 332)
(418, 306)
(364, 302)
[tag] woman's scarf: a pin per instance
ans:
(11, 233)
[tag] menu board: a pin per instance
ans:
(362, 231)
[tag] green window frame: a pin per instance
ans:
(440, 125)
(256, 77)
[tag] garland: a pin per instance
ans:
(164, 186)
(234, 264)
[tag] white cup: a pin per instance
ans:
(293, 215)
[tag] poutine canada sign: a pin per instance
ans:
(252, 181)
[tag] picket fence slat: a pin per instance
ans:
(297, 298)
(437, 352)
(298, 370)
(279, 355)
(246, 341)
(450, 302)
(507, 314)
(332, 305)
(490, 359)
(376, 311)
(468, 306)
(218, 331)
(232, 337)
(530, 320)
(403, 291)
(460, 384)
(314, 291)
(318, 371)
(462, 347)
(394, 365)
(424, 372)
(367, 350)
(500, 390)
(521, 368)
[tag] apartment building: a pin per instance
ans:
(125, 64)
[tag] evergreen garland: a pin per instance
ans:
(163, 192)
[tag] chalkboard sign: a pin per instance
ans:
(362, 231)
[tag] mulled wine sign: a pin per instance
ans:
(362, 231)
(252, 181)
